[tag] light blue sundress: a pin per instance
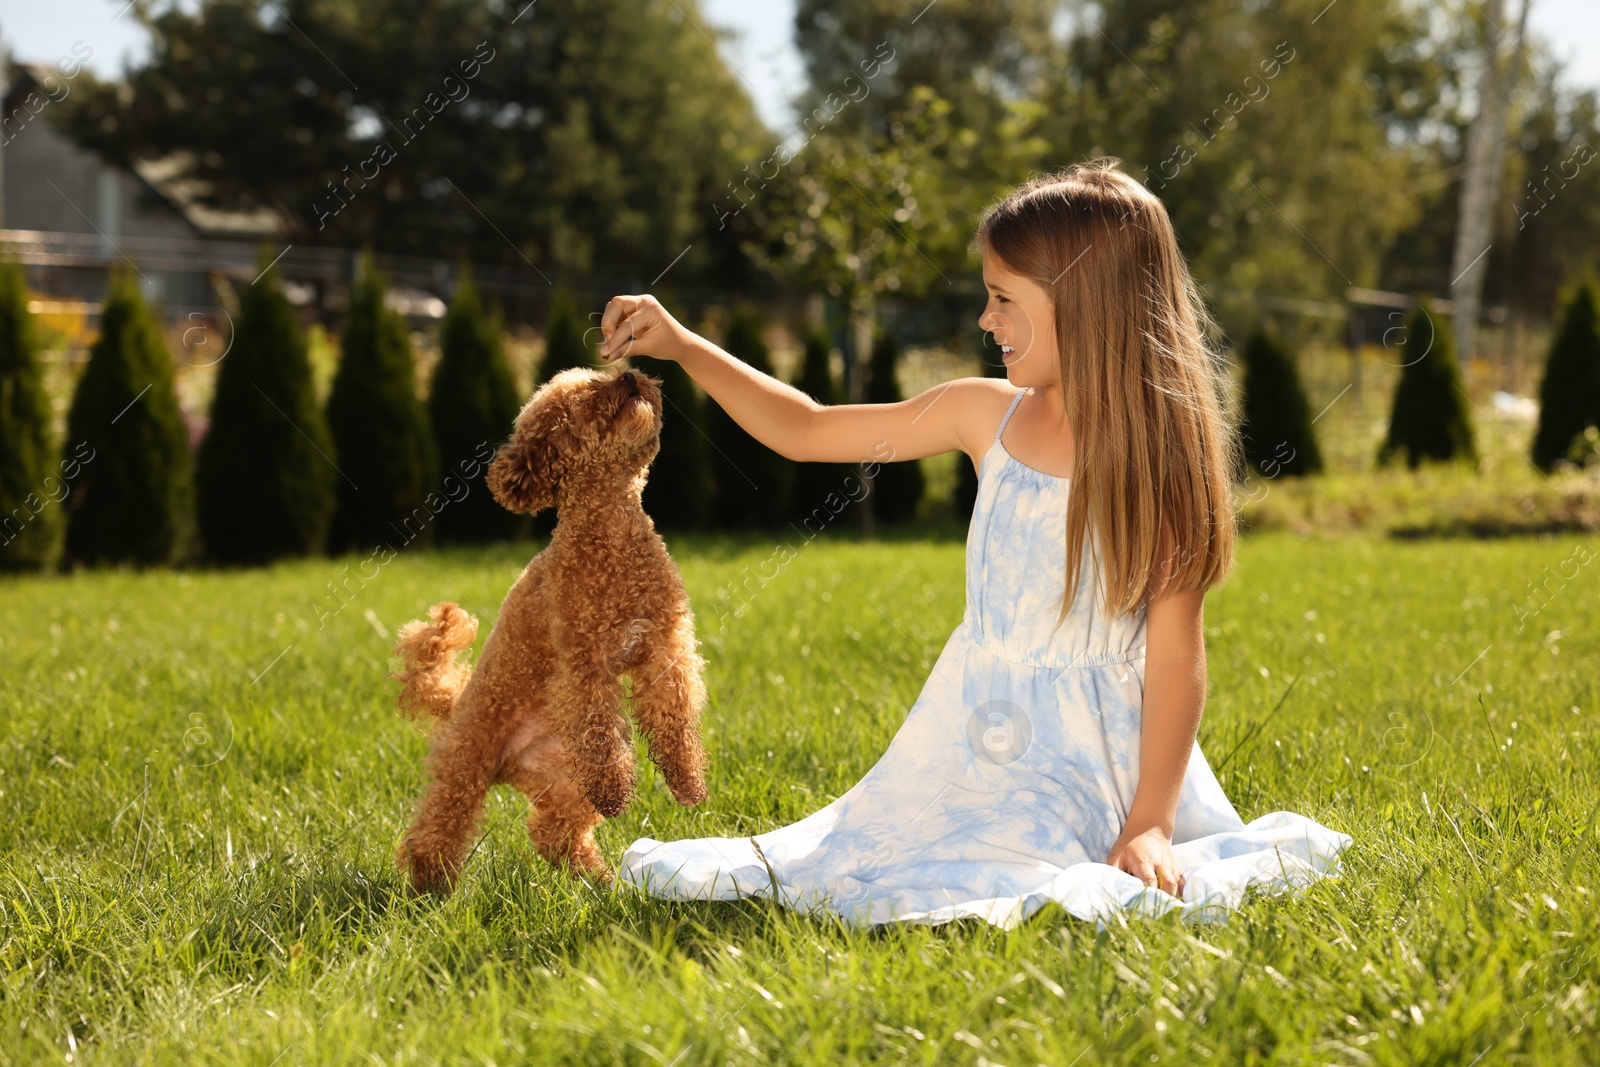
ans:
(1014, 771)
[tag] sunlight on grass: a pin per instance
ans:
(204, 778)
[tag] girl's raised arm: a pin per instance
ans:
(950, 416)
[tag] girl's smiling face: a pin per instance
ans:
(1021, 316)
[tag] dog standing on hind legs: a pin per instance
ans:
(542, 709)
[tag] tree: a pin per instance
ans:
(265, 473)
(416, 127)
(471, 406)
(31, 487)
(1207, 102)
(898, 486)
(815, 483)
(862, 218)
(1276, 427)
(679, 493)
(1569, 396)
(387, 459)
(1485, 160)
(753, 483)
(1555, 189)
(1429, 418)
(135, 492)
(564, 344)
(864, 58)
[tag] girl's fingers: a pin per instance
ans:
(618, 324)
(633, 324)
(617, 309)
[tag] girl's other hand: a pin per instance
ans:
(1148, 857)
(639, 326)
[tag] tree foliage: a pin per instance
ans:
(134, 494)
(472, 402)
(1207, 102)
(1276, 423)
(588, 132)
(897, 487)
(265, 472)
(564, 343)
(1429, 420)
(678, 495)
(865, 58)
(753, 483)
(387, 460)
(819, 487)
(1569, 395)
(31, 487)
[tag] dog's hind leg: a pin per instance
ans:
(669, 694)
(561, 820)
(462, 765)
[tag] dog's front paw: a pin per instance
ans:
(608, 799)
(689, 791)
(609, 793)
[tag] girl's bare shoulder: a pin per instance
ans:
(976, 407)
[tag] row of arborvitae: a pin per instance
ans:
(712, 474)
(280, 478)
(277, 476)
(1429, 419)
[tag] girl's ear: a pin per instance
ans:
(526, 470)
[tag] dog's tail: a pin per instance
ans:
(432, 679)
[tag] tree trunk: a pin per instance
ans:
(1485, 161)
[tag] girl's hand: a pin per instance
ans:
(1147, 856)
(640, 326)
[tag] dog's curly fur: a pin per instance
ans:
(542, 708)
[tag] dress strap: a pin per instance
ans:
(1014, 402)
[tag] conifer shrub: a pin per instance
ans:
(471, 406)
(752, 482)
(1569, 395)
(564, 344)
(266, 469)
(897, 485)
(133, 497)
(31, 484)
(1276, 425)
(679, 492)
(821, 490)
(388, 465)
(1428, 421)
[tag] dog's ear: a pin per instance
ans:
(525, 471)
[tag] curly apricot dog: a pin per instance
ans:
(541, 710)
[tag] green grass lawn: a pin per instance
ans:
(203, 779)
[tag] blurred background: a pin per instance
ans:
(406, 214)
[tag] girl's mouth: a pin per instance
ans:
(1006, 353)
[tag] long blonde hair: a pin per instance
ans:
(1155, 442)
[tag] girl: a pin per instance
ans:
(1051, 754)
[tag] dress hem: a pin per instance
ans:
(1095, 892)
